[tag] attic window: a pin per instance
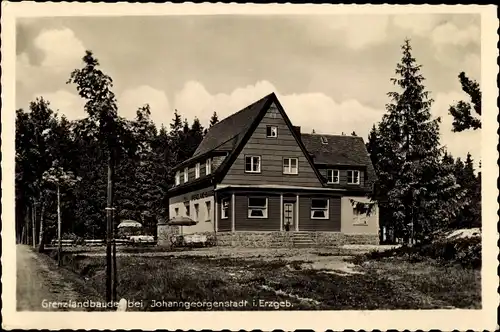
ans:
(324, 140)
(272, 131)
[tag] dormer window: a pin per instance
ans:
(333, 176)
(177, 178)
(186, 174)
(208, 166)
(324, 140)
(272, 131)
(353, 177)
(197, 171)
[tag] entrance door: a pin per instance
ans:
(288, 216)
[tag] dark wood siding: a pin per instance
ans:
(343, 176)
(243, 223)
(307, 224)
(203, 172)
(272, 152)
(224, 225)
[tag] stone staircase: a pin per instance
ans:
(302, 239)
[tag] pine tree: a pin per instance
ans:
(194, 137)
(470, 216)
(463, 118)
(417, 189)
(213, 120)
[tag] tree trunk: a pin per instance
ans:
(27, 225)
(33, 224)
(41, 247)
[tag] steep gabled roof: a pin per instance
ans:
(231, 134)
(227, 133)
(339, 150)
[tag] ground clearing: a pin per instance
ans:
(257, 279)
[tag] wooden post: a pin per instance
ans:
(59, 246)
(281, 213)
(233, 223)
(297, 211)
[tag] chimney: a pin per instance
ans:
(297, 130)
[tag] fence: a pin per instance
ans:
(93, 242)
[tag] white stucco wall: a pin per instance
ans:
(358, 224)
(205, 219)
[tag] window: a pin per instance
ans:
(257, 207)
(224, 208)
(272, 131)
(208, 166)
(177, 178)
(252, 164)
(196, 211)
(186, 174)
(290, 166)
(333, 176)
(353, 177)
(176, 212)
(208, 205)
(319, 208)
(359, 213)
(188, 212)
(197, 171)
(324, 140)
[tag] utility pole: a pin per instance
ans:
(59, 240)
(115, 282)
(109, 230)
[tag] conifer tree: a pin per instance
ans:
(462, 111)
(417, 189)
(213, 120)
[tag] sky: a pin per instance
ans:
(330, 72)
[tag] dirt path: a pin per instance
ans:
(40, 282)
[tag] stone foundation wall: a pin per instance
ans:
(254, 239)
(285, 239)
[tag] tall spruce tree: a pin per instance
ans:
(418, 191)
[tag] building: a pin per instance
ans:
(255, 180)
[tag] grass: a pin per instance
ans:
(452, 285)
(392, 284)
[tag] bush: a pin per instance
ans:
(78, 240)
(465, 251)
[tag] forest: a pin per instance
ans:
(420, 187)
